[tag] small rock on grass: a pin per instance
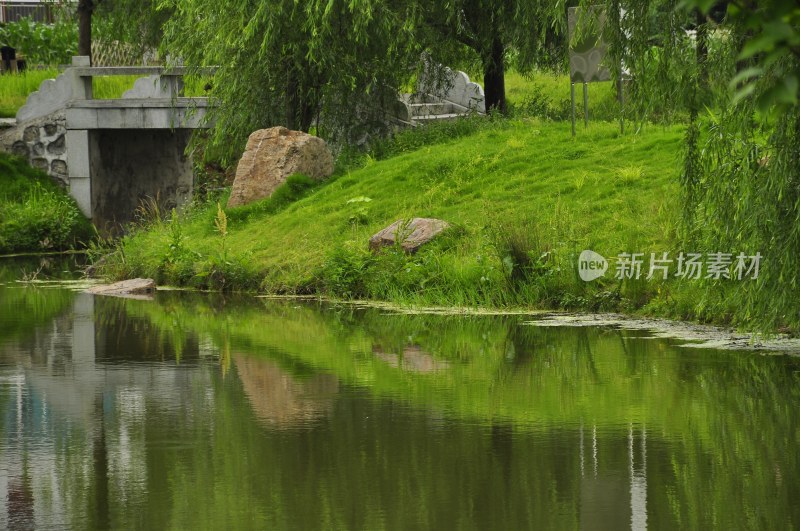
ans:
(410, 234)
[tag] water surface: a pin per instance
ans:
(196, 411)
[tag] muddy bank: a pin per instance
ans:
(695, 335)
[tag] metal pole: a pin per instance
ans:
(572, 93)
(586, 104)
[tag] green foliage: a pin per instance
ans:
(770, 48)
(345, 271)
(535, 95)
(359, 214)
(526, 32)
(136, 22)
(335, 64)
(520, 249)
(40, 43)
(35, 214)
(732, 70)
(294, 188)
(409, 140)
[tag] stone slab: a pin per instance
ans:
(409, 234)
(52, 96)
(134, 288)
(150, 115)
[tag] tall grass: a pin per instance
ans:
(15, 88)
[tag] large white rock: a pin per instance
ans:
(271, 156)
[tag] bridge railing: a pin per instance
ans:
(83, 73)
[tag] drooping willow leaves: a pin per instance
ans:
(730, 70)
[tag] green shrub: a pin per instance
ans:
(345, 271)
(42, 44)
(35, 214)
(294, 188)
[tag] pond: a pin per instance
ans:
(202, 411)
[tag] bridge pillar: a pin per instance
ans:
(80, 174)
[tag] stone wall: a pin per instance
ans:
(42, 142)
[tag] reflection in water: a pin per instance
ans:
(280, 399)
(638, 480)
(412, 359)
(122, 414)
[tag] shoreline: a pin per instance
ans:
(693, 335)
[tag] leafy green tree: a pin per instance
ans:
(137, 22)
(495, 29)
(43, 44)
(333, 64)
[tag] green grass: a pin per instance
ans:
(548, 95)
(15, 88)
(35, 214)
(523, 196)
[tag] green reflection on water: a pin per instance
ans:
(25, 306)
(221, 413)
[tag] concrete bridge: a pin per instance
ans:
(111, 154)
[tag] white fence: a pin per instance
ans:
(14, 10)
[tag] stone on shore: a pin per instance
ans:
(410, 234)
(137, 288)
(271, 156)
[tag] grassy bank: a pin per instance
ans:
(524, 199)
(35, 214)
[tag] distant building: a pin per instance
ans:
(37, 10)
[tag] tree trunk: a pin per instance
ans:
(494, 83)
(292, 100)
(300, 108)
(85, 9)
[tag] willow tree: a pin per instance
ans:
(332, 64)
(136, 22)
(731, 71)
(495, 29)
